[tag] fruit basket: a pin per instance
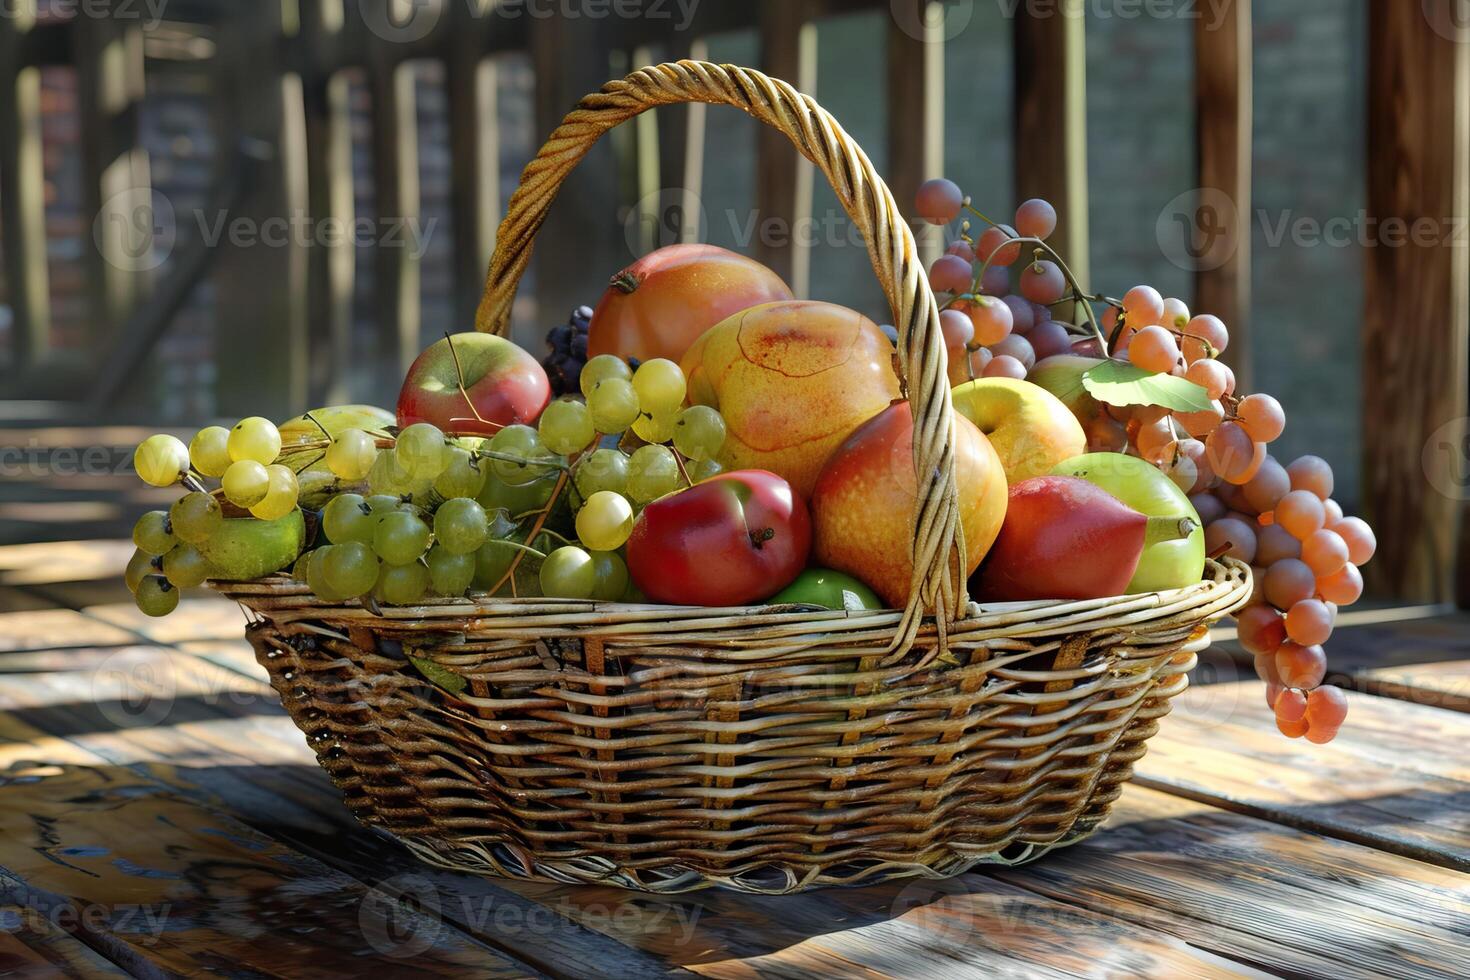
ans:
(767, 749)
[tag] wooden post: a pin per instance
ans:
(396, 197)
(785, 182)
(261, 344)
(681, 132)
(1223, 92)
(108, 53)
(582, 243)
(474, 159)
(916, 111)
(1051, 122)
(1417, 299)
(22, 187)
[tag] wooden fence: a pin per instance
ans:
(285, 149)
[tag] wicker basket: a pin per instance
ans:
(765, 749)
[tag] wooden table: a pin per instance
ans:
(160, 815)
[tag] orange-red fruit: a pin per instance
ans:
(865, 501)
(1260, 630)
(1325, 553)
(1343, 588)
(1301, 513)
(793, 380)
(1291, 706)
(661, 304)
(1292, 729)
(1309, 622)
(1301, 666)
(1327, 707)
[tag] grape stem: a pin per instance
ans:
(459, 376)
(1066, 271)
(510, 573)
(979, 214)
(679, 458)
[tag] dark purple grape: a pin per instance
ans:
(560, 337)
(579, 347)
(582, 314)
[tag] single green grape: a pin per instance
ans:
(605, 521)
(387, 477)
(450, 574)
(611, 573)
(196, 517)
(655, 429)
(348, 517)
(155, 596)
(255, 438)
(209, 451)
(185, 567)
(402, 585)
(463, 477)
(316, 577)
(530, 456)
(461, 526)
(568, 573)
(660, 385)
(422, 451)
(566, 427)
(652, 472)
(161, 460)
(140, 565)
(614, 405)
(602, 469)
(246, 483)
(601, 368)
(280, 498)
(350, 569)
(400, 538)
(700, 432)
(153, 535)
(705, 469)
(534, 496)
(384, 503)
(301, 571)
(351, 455)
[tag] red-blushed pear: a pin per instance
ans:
(659, 305)
(1065, 538)
(1030, 428)
(792, 381)
(863, 509)
(505, 384)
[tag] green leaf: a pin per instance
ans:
(1120, 384)
(437, 675)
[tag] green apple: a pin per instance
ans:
(245, 549)
(1166, 564)
(828, 589)
(1061, 375)
(1030, 428)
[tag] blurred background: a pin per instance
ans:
(214, 209)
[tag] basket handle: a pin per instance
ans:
(939, 580)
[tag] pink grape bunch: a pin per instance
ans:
(997, 318)
(1304, 553)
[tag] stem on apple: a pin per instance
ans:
(459, 375)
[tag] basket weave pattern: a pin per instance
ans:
(767, 749)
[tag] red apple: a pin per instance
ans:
(864, 505)
(732, 540)
(505, 384)
(659, 305)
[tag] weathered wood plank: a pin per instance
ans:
(1417, 298)
(1223, 93)
(1287, 902)
(328, 111)
(34, 944)
(1051, 121)
(474, 138)
(22, 188)
(397, 206)
(1442, 685)
(785, 182)
(108, 53)
(916, 108)
(1394, 779)
(42, 629)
